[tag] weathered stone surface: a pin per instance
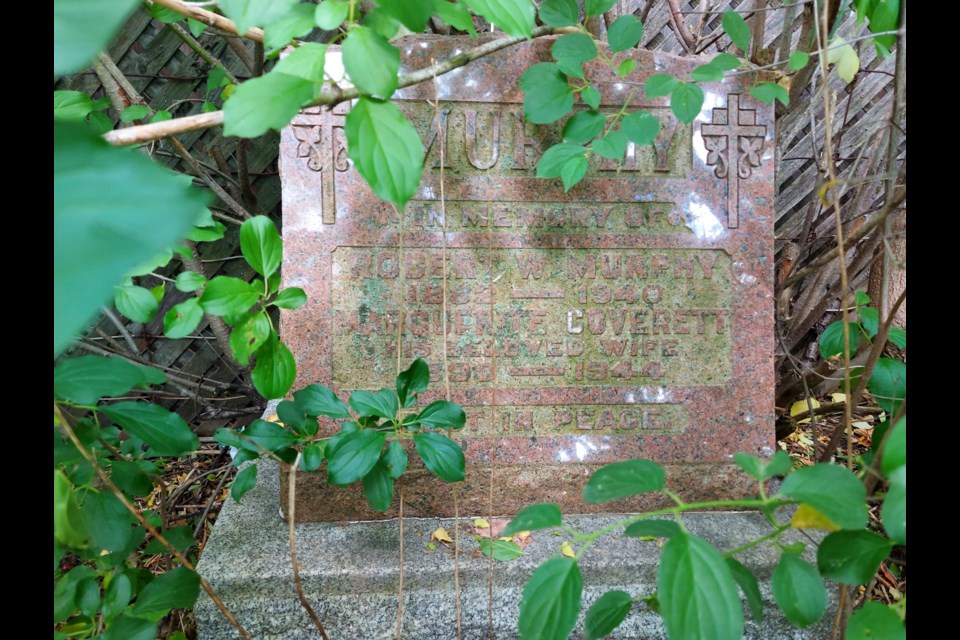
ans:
(630, 317)
(351, 575)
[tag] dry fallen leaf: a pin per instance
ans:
(838, 397)
(492, 529)
(567, 550)
(801, 407)
(440, 535)
(480, 523)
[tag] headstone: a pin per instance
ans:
(629, 317)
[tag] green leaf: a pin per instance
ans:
(888, 384)
(897, 337)
(798, 590)
(330, 14)
(831, 340)
(641, 127)
(707, 73)
(227, 296)
(182, 319)
(136, 303)
(413, 14)
(597, 7)
(371, 62)
(177, 589)
(686, 100)
(378, 487)
(591, 97)
(412, 381)
(245, 480)
(99, 123)
(165, 431)
(188, 281)
(798, 60)
(180, 537)
(275, 370)
(130, 478)
(107, 520)
(573, 171)
(248, 336)
(313, 455)
(749, 586)
(613, 145)
(875, 621)
(210, 233)
(626, 67)
(550, 603)
(767, 92)
(761, 469)
(559, 13)
(82, 29)
(606, 614)
(111, 207)
(894, 512)
(116, 596)
(571, 51)
(127, 627)
(534, 517)
(551, 162)
(546, 95)
(68, 523)
(379, 21)
(697, 593)
(134, 112)
(659, 85)
(295, 23)
(738, 30)
(394, 458)
(503, 550)
(383, 403)
(441, 414)
(726, 61)
(269, 435)
(832, 490)
(455, 14)
(196, 27)
(353, 456)
(293, 416)
(318, 400)
(583, 126)
(72, 105)
(158, 292)
(306, 61)
(88, 597)
(290, 298)
(386, 149)
(895, 448)
(624, 479)
(267, 102)
(861, 298)
(625, 33)
(852, 557)
(514, 17)
(86, 379)
(254, 13)
(653, 528)
(441, 455)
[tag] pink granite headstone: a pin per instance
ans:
(630, 317)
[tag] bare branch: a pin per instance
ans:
(210, 19)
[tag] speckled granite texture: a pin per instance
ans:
(350, 573)
(629, 317)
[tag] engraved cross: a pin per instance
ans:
(740, 127)
(317, 146)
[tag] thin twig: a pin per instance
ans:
(227, 199)
(329, 97)
(683, 32)
(198, 49)
(400, 582)
(122, 329)
(292, 519)
(65, 425)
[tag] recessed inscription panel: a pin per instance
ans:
(629, 317)
(533, 317)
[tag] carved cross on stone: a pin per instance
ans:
(739, 126)
(316, 144)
